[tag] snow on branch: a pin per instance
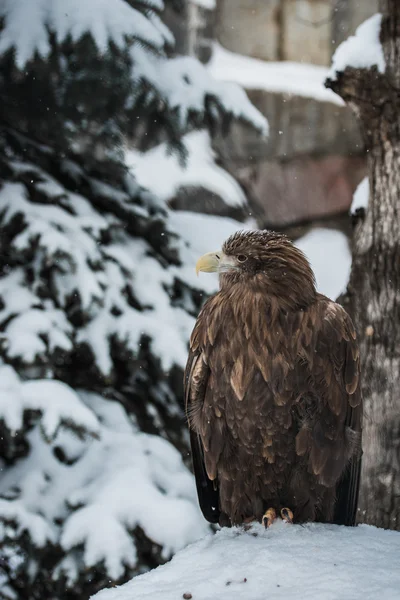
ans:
(27, 25)
(56, 402)
(187, 87)
(200, 170)
(39, 530)
(97, 270)
(140, 481)
(362, 50)
(104, 488)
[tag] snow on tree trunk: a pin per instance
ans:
(369, 81)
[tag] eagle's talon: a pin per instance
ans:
(269, 517)
(287, 515)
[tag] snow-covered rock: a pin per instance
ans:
(314, 562)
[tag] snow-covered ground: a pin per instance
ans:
(311, 562)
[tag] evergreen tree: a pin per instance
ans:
(96, 300)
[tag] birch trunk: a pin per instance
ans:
(373, 294)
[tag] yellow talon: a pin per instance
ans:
(287, 515)
(269, 517)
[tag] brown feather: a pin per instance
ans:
(272, 387)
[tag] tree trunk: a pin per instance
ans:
(373, 294)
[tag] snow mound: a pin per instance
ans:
(362, 50)
(280, 77)
(330, 258)
(361, 196)
(287, 562)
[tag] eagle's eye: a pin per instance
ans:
(242, 258)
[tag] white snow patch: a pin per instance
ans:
(330, 258)
(281, 77)
(286, 562)
(362, 50)
(163, 174)
(361, 196)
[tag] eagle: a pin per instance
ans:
(272, 390)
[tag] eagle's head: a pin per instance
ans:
(265, 260)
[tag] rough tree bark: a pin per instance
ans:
(373, 294)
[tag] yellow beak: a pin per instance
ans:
(209, 262)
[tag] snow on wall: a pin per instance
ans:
(361, 196)
(279, 77)
(361, 50)
(286, 562)
(330, 257)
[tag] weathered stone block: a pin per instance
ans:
(303, 189)
(250, 27)
(298, 126)
(306, 31)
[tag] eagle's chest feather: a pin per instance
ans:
(255, 348)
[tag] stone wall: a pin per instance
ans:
(295, 30)
(308, 167)
(314, 159)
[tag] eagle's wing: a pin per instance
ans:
(332, 437)
(195, 383)
(348, 486)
